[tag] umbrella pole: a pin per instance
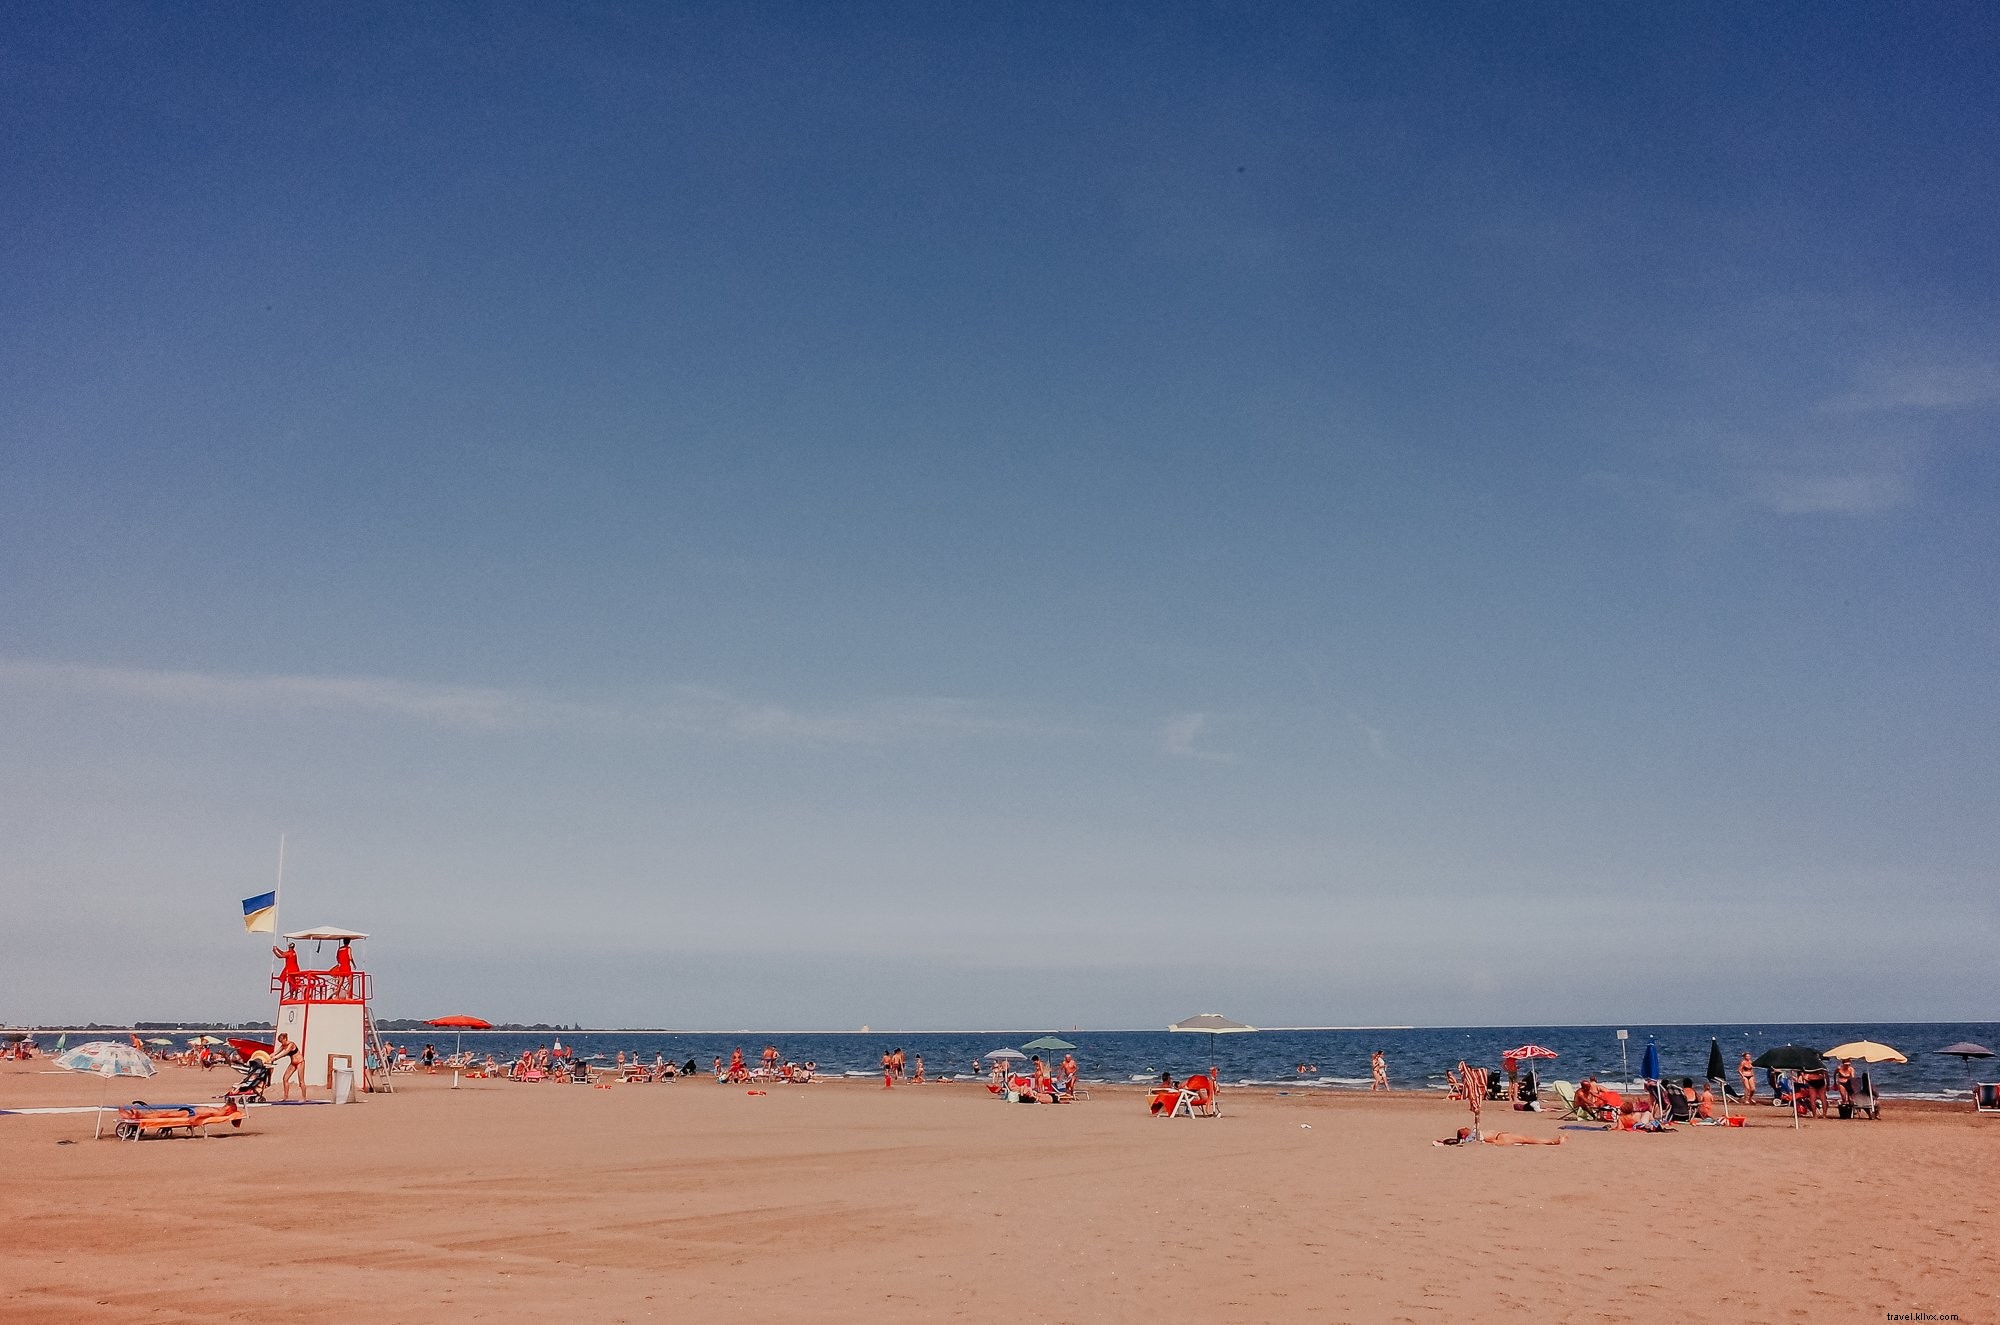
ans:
(103, 1089)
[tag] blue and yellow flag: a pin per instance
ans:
(260, 913)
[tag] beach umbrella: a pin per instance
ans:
(1048, 1042)
(1005, 1055)
(206, 1039)
(461, 1024)
(107, 1059)
(1718, 1071)
(1527, 1051)
(1791, 1058)
(248, 1049)
(1211, 1024)
(158, 1041)
(1965, 1052)
(1866, 1051)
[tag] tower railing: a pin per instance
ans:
(321, 986)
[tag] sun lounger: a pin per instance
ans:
(138, 1118)
(1986, 1097)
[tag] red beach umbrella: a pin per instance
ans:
(461, 1024)
(1528, 1051)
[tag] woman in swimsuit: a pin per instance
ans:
(1466, 1138)
(287, 1057)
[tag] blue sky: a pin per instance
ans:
(764, 516)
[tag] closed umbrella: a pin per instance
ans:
(107, 1059)
(1718, 1072)
(1649, 1070)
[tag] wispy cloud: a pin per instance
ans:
(1953, 383)
(1179, 735)
(1830, 493)
(1373, 735)
(693, 710)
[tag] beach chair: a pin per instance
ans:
(1575, 1110)
(1986, 1097)
(1866, 1103)
(1196, 1100)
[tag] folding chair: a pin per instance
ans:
(1196, 1099)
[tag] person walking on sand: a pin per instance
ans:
(1746, 1067)
(888, 1069)
(1378, 1071)
(286, 1057)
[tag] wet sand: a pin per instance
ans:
(839, 1201)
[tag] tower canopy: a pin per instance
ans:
(326, 932)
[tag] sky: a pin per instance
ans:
(996, 516)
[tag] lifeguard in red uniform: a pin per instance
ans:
(343, 970)
(291, 975)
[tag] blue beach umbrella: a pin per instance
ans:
(1649, 1066)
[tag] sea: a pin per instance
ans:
(1332, 1059)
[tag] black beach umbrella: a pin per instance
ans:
(1965, 1052)
(1791, 1058)
(1718, 1072)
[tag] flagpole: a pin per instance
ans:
(277, 902)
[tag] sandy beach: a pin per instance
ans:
(839, 1201)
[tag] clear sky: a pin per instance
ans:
(1003, 515)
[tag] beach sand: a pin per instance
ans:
(839, 1201)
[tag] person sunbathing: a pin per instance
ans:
(1467, 1137)
(1167, 1095)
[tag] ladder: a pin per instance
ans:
(382, 1077)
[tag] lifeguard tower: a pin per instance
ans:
(325, 1011)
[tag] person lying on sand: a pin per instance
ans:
(1467, 1137)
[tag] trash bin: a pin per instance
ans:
(343, 1085)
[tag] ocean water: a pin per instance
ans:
(1418, 1057)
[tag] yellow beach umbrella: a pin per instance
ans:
(1866, 1051)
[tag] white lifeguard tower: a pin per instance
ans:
(325, 1011)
